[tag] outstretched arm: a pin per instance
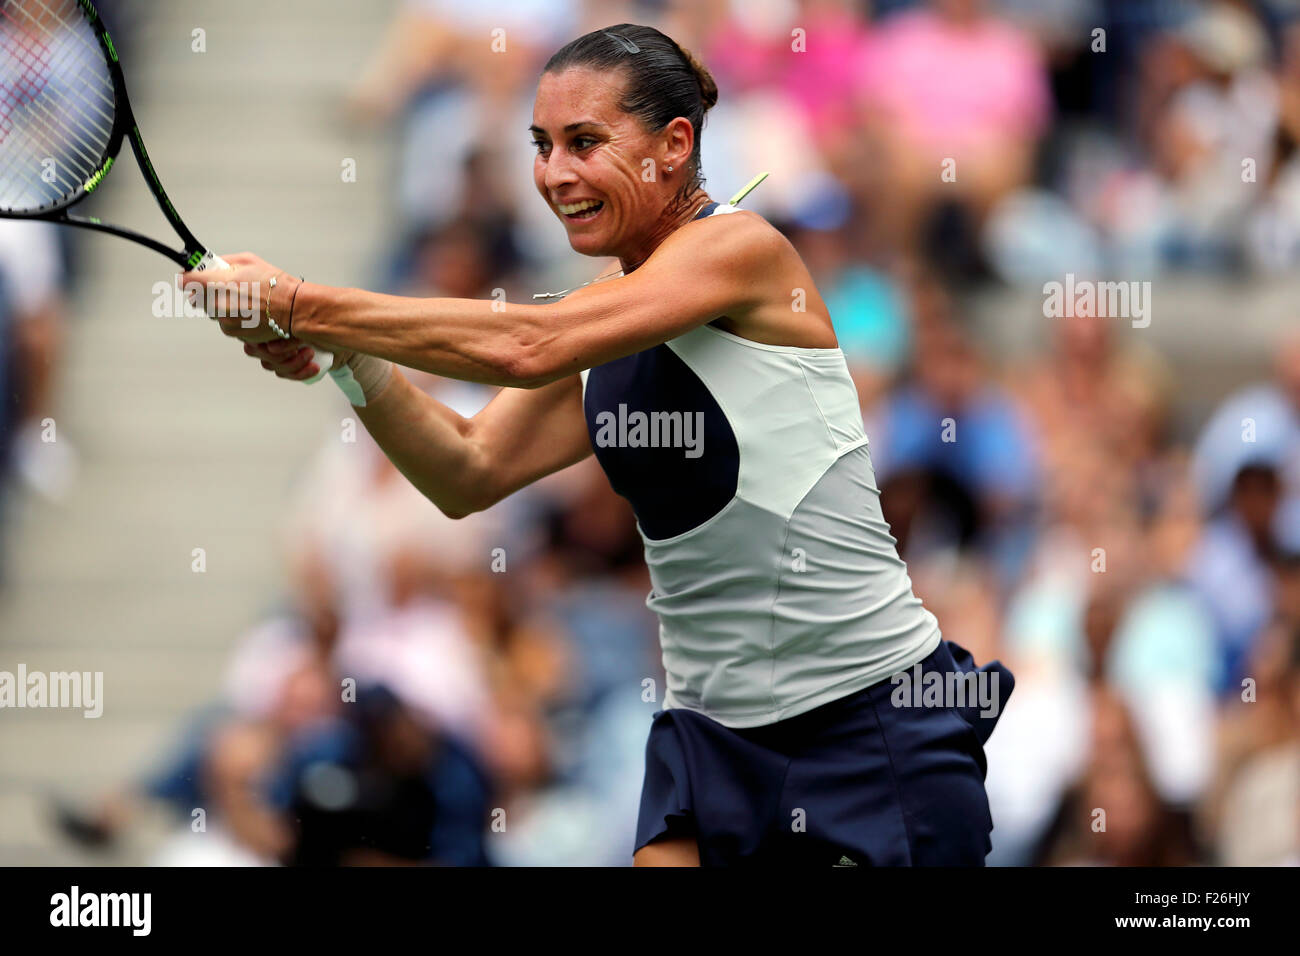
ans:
(463, 464)
(705, 269)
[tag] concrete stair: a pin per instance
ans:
(184, 442)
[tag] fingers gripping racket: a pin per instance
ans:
(64, 113)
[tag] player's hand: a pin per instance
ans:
(237, 297)
(287, 358)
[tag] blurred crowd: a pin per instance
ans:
(1141, 579)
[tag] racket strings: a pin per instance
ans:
(57, 103)
(33, 59)
(61, 145)
(91, 87)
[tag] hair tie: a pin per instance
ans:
(624, 42)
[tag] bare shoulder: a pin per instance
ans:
(769, 271)
(741, 245)
(743, 232)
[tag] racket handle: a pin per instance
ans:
(324, 359)
(210, 260)
(343, 375)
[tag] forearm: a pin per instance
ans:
(529, 346)
(466, 339)
(429, 444)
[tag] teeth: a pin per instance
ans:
(577, 206)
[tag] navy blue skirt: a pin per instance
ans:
(882, 777)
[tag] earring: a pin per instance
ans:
(670, 169)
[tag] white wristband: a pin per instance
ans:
(362, 377)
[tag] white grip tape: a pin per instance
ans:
(345, 380)
(323, 358)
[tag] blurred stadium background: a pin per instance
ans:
(1118, 518)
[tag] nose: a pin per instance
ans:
(558, 172)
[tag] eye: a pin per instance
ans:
(579, 142)
(542, 145)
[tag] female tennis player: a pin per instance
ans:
(724, 412)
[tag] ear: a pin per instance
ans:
(679, 141)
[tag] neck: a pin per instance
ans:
(666, 226)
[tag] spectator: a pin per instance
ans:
(377, 788)
(1113, 816)
(955, 99)
(956, 458)
(32, 325)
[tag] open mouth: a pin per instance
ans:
(584, 211)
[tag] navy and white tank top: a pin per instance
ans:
(776, 581)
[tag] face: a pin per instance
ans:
(592, 160)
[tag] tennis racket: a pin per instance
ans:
(64, 113)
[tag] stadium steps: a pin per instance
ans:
(184, 442)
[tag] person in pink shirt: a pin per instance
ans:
(954, 100)
(805, 52)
